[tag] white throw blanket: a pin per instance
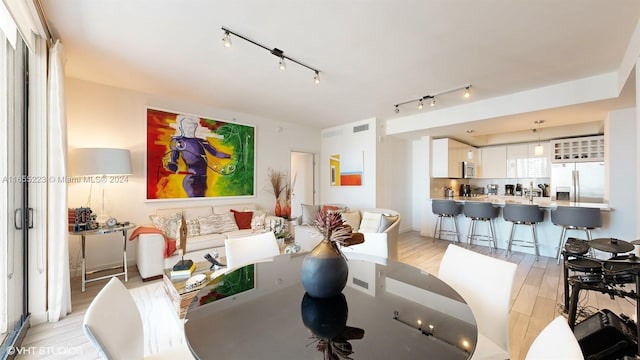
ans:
(163, 329)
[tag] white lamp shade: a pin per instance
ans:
(538, 150)
(100, 161)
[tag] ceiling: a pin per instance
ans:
(371, 54)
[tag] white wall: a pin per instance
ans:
(342, 140)
(620, 134)
(421, 185)
(103, 116)
(394, 160)
(387, 177)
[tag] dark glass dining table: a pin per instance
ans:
(388, 310)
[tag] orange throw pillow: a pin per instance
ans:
(169, 247)
(243, 218)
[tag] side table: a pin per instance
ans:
(103, 231)
(175, 287)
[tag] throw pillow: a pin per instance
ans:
(242, 218)
(170, 224)
(258, 219)
(217, 223)
(385, 221)
(334, 207)
(193, 227)
(169, 247)
(352, 219)
(370, 222)
(309, 213)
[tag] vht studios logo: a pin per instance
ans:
(45, 350)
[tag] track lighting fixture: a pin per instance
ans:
(226, 41)
(432, 97)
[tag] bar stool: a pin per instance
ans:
(575, 218)
(520, 214)
(481, 211)
(446, 209)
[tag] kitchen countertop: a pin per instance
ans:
(543, 202)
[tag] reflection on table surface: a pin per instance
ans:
(388, 310)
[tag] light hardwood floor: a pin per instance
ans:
(536, 300)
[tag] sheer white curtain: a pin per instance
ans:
(59, 289)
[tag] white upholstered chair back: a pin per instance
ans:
(114, 326)
(249, 249)
(485, 283)
(555, 341)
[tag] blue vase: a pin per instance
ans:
(324, 271)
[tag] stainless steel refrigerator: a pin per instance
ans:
(579, 182)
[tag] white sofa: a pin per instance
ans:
(149, 256)
(381, 244)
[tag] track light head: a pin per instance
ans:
(397, 110)
(420, 105)
(433, 102)
(316, 78)
(226, 39)
(467, 92)
(282, 64)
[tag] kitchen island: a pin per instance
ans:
(543, 202)
(548, 233)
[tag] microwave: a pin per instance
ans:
(468, 170)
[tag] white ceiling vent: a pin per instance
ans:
(360, 128)
(331, 133)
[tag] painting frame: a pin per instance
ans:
(195, 157)
(346, 169)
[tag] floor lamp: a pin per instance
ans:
(99, 164)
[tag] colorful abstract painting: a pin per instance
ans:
(194, 157)
(346, 169)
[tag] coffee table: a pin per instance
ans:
(175, 287)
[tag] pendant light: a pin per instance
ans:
(539, 149)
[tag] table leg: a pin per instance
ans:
(84, 263)
(124, 254)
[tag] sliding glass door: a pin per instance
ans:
(13, 192)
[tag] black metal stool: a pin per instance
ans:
(446, 209)
(575, 218)
(481, 211)
(521, 214)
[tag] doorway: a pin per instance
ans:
(303, 181)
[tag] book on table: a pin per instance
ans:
(183, 272)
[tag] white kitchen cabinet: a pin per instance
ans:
(517, 156)
(447, 157)
(588, 148)
(493, 162)
(523, 163)
(539, 166)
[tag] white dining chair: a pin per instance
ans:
(555, 341)
(485, 283)
(114, 326)
(249, 249)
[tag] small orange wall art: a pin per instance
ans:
(346, 169)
